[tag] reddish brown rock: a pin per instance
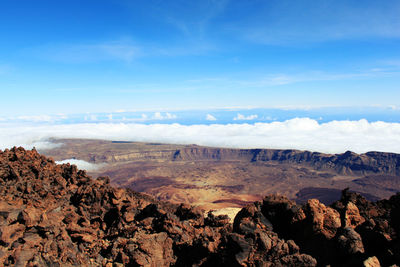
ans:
(10, 233)
(151, 249)
(372, 262)
(352, 216)
(325, 220)
(56, 215)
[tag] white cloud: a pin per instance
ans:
(210, 117)
(300, 133)
(81, 164)
(158, 116)
(91, 117)
(145, 118)
(42, 144)
(394, 107)
(170, 116)
(40, 118)
(165, 116)
(241, 117)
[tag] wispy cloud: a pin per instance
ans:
(282, 23)
(88, 52)
(194, 17)
(282, 79)
(189, 24)
(122, 51)
(175, 50)
(391, 65)
(193, 20)
(277, 79)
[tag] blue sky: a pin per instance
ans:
(104, 56)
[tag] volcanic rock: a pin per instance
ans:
(324, 220)
(56, 215)
(352, 216)
(372, 262)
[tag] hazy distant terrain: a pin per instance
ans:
(216, 178)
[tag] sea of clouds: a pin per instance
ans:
(298, 133)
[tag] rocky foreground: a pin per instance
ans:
(55, 215)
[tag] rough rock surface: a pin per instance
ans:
(55, 215)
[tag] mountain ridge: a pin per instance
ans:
(348, 162)
(343, 163)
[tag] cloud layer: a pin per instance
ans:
(81, 164)
(299, 133)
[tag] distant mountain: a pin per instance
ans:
(348, 163)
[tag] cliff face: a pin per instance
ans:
(346, 163)
(55, 215)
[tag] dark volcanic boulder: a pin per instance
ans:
(347, 233)
(254, 242)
